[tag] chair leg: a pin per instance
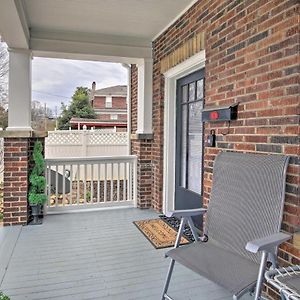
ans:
(273, 260)
(260, 278)
(248, 290)
(172, 263)
(193, 229)
(168, 279)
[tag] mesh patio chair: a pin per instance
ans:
(243, 219)
(286, 281)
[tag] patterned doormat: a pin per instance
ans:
(175, 223)
(159, 233)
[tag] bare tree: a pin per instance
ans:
(40, 113)
(3, 73)
(3, 96)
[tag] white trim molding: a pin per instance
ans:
(194, 63)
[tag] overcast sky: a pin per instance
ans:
(55, 80)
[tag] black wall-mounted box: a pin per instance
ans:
(220, 113)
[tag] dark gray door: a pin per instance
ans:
(189, 141)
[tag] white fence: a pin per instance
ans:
(92, 182)
(85, 143)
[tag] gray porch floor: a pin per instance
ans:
(92, 255)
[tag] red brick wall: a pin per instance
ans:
(99, 102)
(117, 102)
(142, 148)
(122, 117)
(107, 117)
(17, 167)
(16, 158)
(252, 57)
(134, 82)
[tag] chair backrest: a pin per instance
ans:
(246, 200)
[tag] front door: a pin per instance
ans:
(189, 141)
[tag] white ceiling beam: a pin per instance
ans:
(71, 50)
(88, 37)
(92, 47)
(13, 24)
(86, 57)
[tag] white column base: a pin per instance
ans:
(19, 128)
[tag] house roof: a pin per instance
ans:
(117, 90)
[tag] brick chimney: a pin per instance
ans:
(93, 91)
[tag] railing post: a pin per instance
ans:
(46, 188)
(135, 182)
(84, 142)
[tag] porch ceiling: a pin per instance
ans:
(134, 23)
(130, 18)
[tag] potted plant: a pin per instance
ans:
(37, 196)
(3, 297)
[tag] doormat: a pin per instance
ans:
(175, 223)
(159, 233)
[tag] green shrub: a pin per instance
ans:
(88, 195)
(3, 297)
(37, 180)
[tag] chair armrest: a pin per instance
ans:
(267, 243)
(186, 212)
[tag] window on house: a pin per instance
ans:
(108, 102)
(114, 117)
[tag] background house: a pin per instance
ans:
(110, 105)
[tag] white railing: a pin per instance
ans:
(91, 182)
(83, 143)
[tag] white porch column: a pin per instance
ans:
(144, 109)
(19, 106)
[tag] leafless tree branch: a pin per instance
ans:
(3, 73)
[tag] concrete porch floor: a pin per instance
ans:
(92, 255)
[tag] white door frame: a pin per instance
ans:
(192, 64)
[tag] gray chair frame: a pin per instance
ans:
(267, 245)
(275, 278)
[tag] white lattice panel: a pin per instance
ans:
(63, 138)
(105, 138)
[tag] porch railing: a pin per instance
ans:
(91, 182)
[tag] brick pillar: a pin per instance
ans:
(17, 168)
(142, 149)
(16, 159)
(141, 146)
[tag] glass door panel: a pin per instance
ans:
(189, 141)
